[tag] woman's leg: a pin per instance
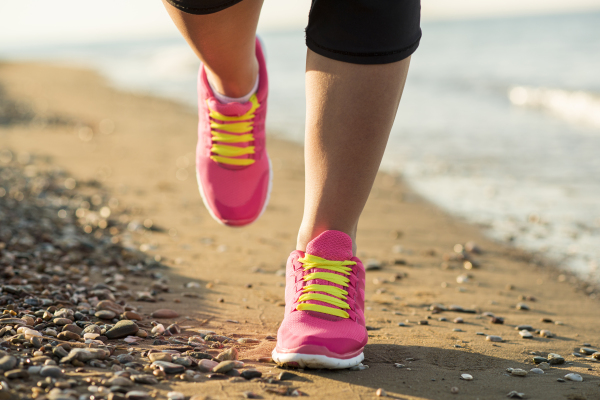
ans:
(350, 111)
(224, 41)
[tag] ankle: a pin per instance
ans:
(234, 86)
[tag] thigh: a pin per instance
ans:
(364, 31)
(201, 7)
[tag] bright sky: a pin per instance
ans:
(27, 21)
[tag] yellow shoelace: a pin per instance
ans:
(335, 296)
(232, 132)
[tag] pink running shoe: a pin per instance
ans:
(233, 170)
(324, 322)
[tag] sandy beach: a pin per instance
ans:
(430, 305)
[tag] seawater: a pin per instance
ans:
(499, 122)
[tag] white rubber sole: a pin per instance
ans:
(316, 361)
(261, 211)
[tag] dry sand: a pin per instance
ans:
(147, 163)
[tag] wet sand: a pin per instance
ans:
(140, 149)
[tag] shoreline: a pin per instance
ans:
(412, 242)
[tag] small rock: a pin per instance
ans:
(138, 395)
(119, 381)
(206, 365)
(536, 371)
(424, 322)
(175, 396)
(109, 305)
(144, 379)
(493, 338)
(544, 366)
(67, 335)
(169, 367)
(555, 359)
(160, 357)
(515, 395)
(587, 350)
(466, 377)
(560, 380)
(523, 306)
(454, 390)
(51, 371)
(546, 333)
(526, 334)
(538, 359)
(62, 321)
(524, 328)
(122, 329)
(251, 374)
(458, 320)
(105, 314)
(574, 377)
(8, 362)
(380, 393)
(165, 313)
(285, 376)
(224, 366)
(518, 372)
(229, 354)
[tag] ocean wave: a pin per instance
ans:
(574, 106)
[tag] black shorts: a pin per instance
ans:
(354, 31)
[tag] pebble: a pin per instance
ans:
(423, 322)
(165, 313)
(587, 351)
(229, 354)
(596, 355)
(523, 306)
(206, 365)
(466, 377)
(546, 333)
(380, 393)
(51, 371)
(515, 395)
(8, 362)
(555, 359)
(284, 376)
(493, 338)
(175, 396)
(458, 320)
(138, 395)
(251, 374)
(525, 334)
(538, 359)
(109, 305)
(359, 367)
(536, 370)
(223, 367)
(144, 379)
(122, 329)
(454, 390)
(169, 367)
(524, 328)
(560, 380)
(105, 314)
(119, 381)
(574, 377)
(67, 335)
(518, 372)
(160, 357)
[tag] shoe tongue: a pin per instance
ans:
(229, 109)
(331, 245)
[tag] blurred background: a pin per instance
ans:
(499, 122)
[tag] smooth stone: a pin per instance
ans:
(522, 306)
(251, 374)
(587, 351)
(8, 362)
(524, 328)
(85, 355)
(518, 372)
(526, 334)
(185, 361)
(105, 314)
(466, 377)
(493, 338)
(125, 358)
(538, 359)
(206, 365)
(515, 395)
(109, 305)
(555, 359)
(574, 377)
(217, 338)
(34, 370)
(175, 396)
(132, 315)
(51, 371)
(459, 320)
(546, 333)
(285, 376)
(536, 370)
(138, 395)
(596, 355)
(229, 354)
(17, 374)
(122, 329)
(92, 329)
(544, 366)
(68, 335)
(62, 321)
(224, 366)
(119, 381)
(165, 313)
(169, 367)
(144, 379)
(73, 328)
(160, 357)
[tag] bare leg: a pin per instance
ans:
(224, 41)
(349, 114)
